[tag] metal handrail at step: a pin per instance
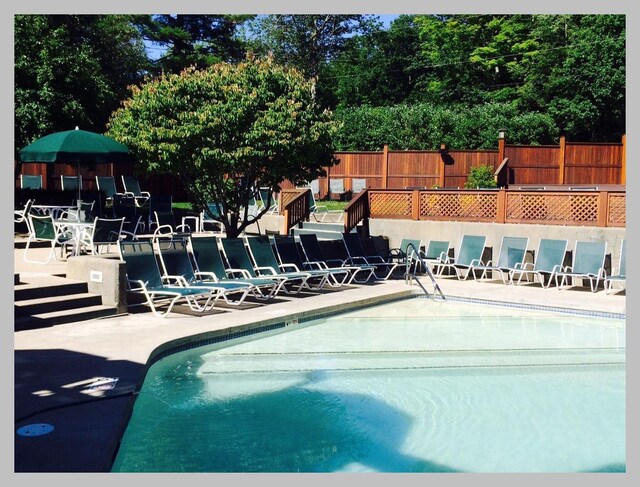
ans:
(409, 274)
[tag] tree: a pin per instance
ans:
(375, 69)
(193, 40)
(226, 131)
(72, 70)
(308, 42)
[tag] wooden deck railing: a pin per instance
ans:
(570, 207)
(294, 206)
(356, 211)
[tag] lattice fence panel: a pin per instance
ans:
(458, 205)
(617, 210)
(565, 209)
(390, 204)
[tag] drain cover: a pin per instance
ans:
(36, 429)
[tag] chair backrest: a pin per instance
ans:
(589, 257)
(42, 227)
(550, 254)
(106, 184)
(409, 251)
(70, 182)
(358, 184)
(436, 248)
(315, 187)
(206, 255)
(336, 185)
(131, 185)
(164, 219)
(353, 244)
(622, 268)
(174, 258)
(267, 197)
(471, 248)
(31, 181)
(512, 251)
(212, 212)
(262, 252)
(311, 247)
(107, 230)
(287, 248)
(236, 254)
(141, 262)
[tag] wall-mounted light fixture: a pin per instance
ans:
(501, 133)
(443, 148)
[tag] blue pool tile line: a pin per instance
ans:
(535, 307)
(217, 339)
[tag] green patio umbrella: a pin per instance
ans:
(75, 146)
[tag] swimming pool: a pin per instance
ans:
(409, 386)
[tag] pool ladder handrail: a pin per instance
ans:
(408, 274)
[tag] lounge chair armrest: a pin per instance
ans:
(207, 276)
(475, 262)
(266, 271)
(139, 285)
(528, 266)
(234, 272)
(314, 265)
(289, 268)
(175, 280)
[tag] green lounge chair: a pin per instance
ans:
(31, 181)
(266, 264)
(290, 258)
(143, 277)
(618, 274)
(513, 251)
(240, 265)
(177, 268)
(132, 188)
(588, 263)
(107, 185)
(70, 183)
(549, 260)
(316, 257)
(357, 255)
(436, 253)
(469, 255)
(209, 264)
(407, 252)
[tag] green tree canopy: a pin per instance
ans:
(193, 40)
(72, 70)
(226, 131)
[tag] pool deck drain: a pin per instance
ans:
(61, 359)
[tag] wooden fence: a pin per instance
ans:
(569, 163)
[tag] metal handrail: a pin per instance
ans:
(408, 275)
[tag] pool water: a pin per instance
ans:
(410, 386)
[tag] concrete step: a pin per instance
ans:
(49, 304)
(44, 301)
(48, 287)
(321, 234)
(44, 320)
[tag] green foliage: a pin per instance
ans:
(425, 126)
(226, 130)
(480, 177)
(308, 42)
(194, 40)
(72, 70)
